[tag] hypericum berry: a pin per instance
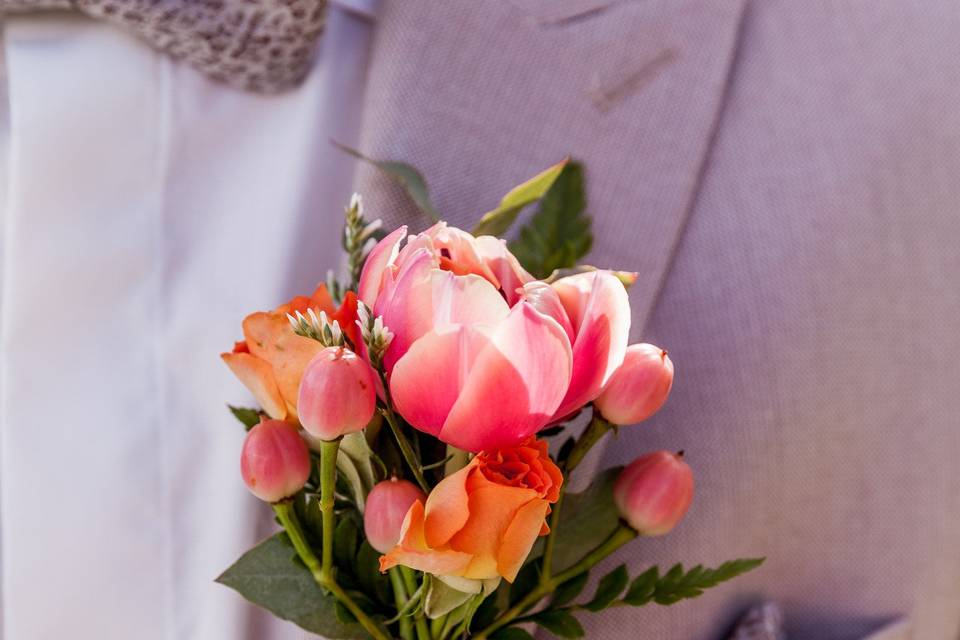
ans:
(654, 492)
(639, 387)
(337, 394)
(275, 461)
(387, 505)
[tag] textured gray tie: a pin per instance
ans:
(257, 45)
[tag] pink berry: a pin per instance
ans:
(639, 387)
(275, 461)
(338, 394)
(654, 492)
(387, 505)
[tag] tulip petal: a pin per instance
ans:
(382, 255)
(426, 381)
(514, 384)
(599, 310)
(257, 376)
(447, 508)
(413, 552)
(521, 534)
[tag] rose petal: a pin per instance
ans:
(599, 310)
(481, 536)
(257, 376)
(446, 509)
(514, 384)
(413, 552)
(521, 534)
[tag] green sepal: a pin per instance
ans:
(249, 418)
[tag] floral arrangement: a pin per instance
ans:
(405, 429)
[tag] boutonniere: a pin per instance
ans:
(415, 432)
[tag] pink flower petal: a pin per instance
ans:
(545, 299)
(382, 255)
(427, 380)
(504, 265)
(599, 311)
(514, 384)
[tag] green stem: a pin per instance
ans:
(288, 518)
(401, 597)
(617, 539)
(436, 626)
(405, 447)
(594, 432)
(410, 579)
(547, 564)
(328, 483)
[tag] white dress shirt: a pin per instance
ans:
(145, 210)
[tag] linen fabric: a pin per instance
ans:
(783, 176)
(145, 210)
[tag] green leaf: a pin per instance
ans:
(587, 519)
(343, 614)
(511, 633)
(642, 588)
(569, 590)
(559, 622)
(609, 589)
(558, 235)
(403, 174)
(345, 544)
(369, 578)
(266, 577)
(248, 417)
(677, 585)
(356, 466)
(498, 221)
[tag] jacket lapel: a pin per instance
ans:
(479, 96)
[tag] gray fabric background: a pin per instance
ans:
(785, 176)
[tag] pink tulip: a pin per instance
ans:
(387, 505)
(639, 387)
(337, 394)
(483, 356)
(275, 462)
(654, 492)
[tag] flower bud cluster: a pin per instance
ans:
(375, 335)
(318, 328)
(358, 236)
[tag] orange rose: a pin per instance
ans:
(482, 521)
(271, 358)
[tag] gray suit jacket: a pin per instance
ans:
(785, 176)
